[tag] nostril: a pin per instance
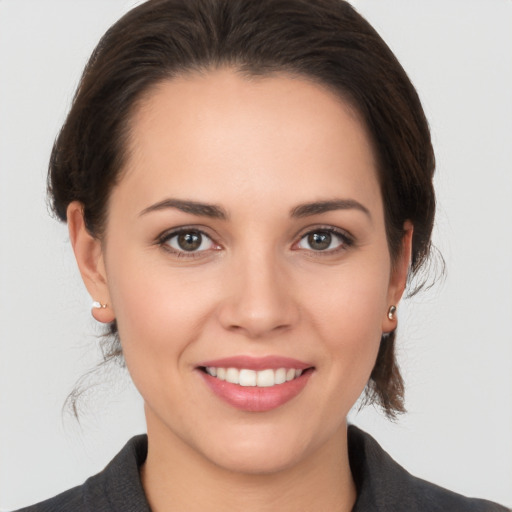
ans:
(256, 309)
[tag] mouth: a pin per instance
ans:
(256, 384)
(246, 377)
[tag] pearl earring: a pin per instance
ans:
(391, 312)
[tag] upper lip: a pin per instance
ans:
(256, 363)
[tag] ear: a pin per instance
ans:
(89, 257)
(398, 277)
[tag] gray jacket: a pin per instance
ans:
(382, 485)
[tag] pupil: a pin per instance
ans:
(189, 241)
(319, 241)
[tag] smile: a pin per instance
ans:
(256, 384)
(254, 378)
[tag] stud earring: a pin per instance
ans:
(391, 312)
(102, 312)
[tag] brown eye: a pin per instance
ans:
(189, 241)
(323, 240)
(320, 241)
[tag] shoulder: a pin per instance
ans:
(67, 501)
(116, 488)
(382, 484)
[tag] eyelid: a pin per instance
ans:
(163, 238)
(347, 238)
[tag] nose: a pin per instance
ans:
(259, 299)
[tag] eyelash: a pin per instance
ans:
(346, 241)
(164, 238)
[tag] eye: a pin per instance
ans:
(187, 241)
(325, 240)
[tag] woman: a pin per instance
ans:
(247, 187)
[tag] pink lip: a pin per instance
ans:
(257, 363)
(253, 398)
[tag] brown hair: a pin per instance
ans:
(323, 40)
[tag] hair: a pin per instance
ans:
(322, 40)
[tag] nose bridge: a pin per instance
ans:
(259, 299)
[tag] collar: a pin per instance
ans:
(381, 483)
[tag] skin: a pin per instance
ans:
(257, 148)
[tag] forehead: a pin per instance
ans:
(219, 132)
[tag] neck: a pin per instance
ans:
(176, 477)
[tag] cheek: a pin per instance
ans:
(349, 319)
(159, 311)
(351, 298)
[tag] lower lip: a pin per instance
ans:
(253, 398)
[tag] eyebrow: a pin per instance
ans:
(195, 208)
(217, 212)
(315, 208)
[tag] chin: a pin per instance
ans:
(258, 460)
(264, 450)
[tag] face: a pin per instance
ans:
(246, 263)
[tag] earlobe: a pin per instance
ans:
(89, 257)
(102, 312)
(398, 278)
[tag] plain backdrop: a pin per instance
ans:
(455, 341)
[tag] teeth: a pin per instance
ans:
(280, 376)
(233, 376)
(265, 379)
(251, 378)
(212, 371)
(247, 378)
